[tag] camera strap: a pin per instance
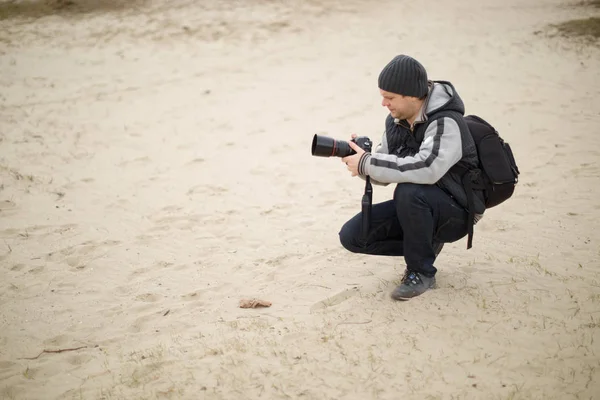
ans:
(366, 202)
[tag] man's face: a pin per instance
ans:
(401, 107)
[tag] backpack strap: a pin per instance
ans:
(467, 181)
(471, 181)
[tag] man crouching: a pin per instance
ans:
(425, 135)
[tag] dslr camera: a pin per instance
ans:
(324, 146)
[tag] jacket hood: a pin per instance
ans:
(443, 97)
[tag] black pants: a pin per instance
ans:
(410, 225)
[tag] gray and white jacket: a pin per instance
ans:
(440, 138)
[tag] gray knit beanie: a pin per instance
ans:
(404, 75)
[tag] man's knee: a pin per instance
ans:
(407, 193)
(349, 236)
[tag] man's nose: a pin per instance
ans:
(383, 102)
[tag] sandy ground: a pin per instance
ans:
(155, 169)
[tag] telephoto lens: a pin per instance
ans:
(324, 146)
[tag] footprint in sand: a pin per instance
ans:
(198, 160)
(140, 271)
(148, 297)
(7, 205)
(586, 170)
(335, 299)
(295, 337)
(8, 369)
(36, 270)
(140, 323)
(58, 341)
(138, 161)
(39, 231)
(192, 296)
(207, 190)
(183, 222)
(80, 255)
(80, 359)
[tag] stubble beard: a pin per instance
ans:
(397, 115)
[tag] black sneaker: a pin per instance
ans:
(413, 284)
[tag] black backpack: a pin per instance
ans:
(497, 173)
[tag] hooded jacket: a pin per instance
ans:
(425, 155)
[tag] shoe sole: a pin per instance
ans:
(401, 298)
(434, 286)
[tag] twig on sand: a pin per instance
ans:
(54, 351)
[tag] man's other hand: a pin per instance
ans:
(352, 161)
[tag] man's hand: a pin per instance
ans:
(352, 161)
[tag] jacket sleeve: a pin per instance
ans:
(440, 150)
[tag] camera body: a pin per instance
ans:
(323, 146)
(363, 142)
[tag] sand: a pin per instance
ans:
(155, 170)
